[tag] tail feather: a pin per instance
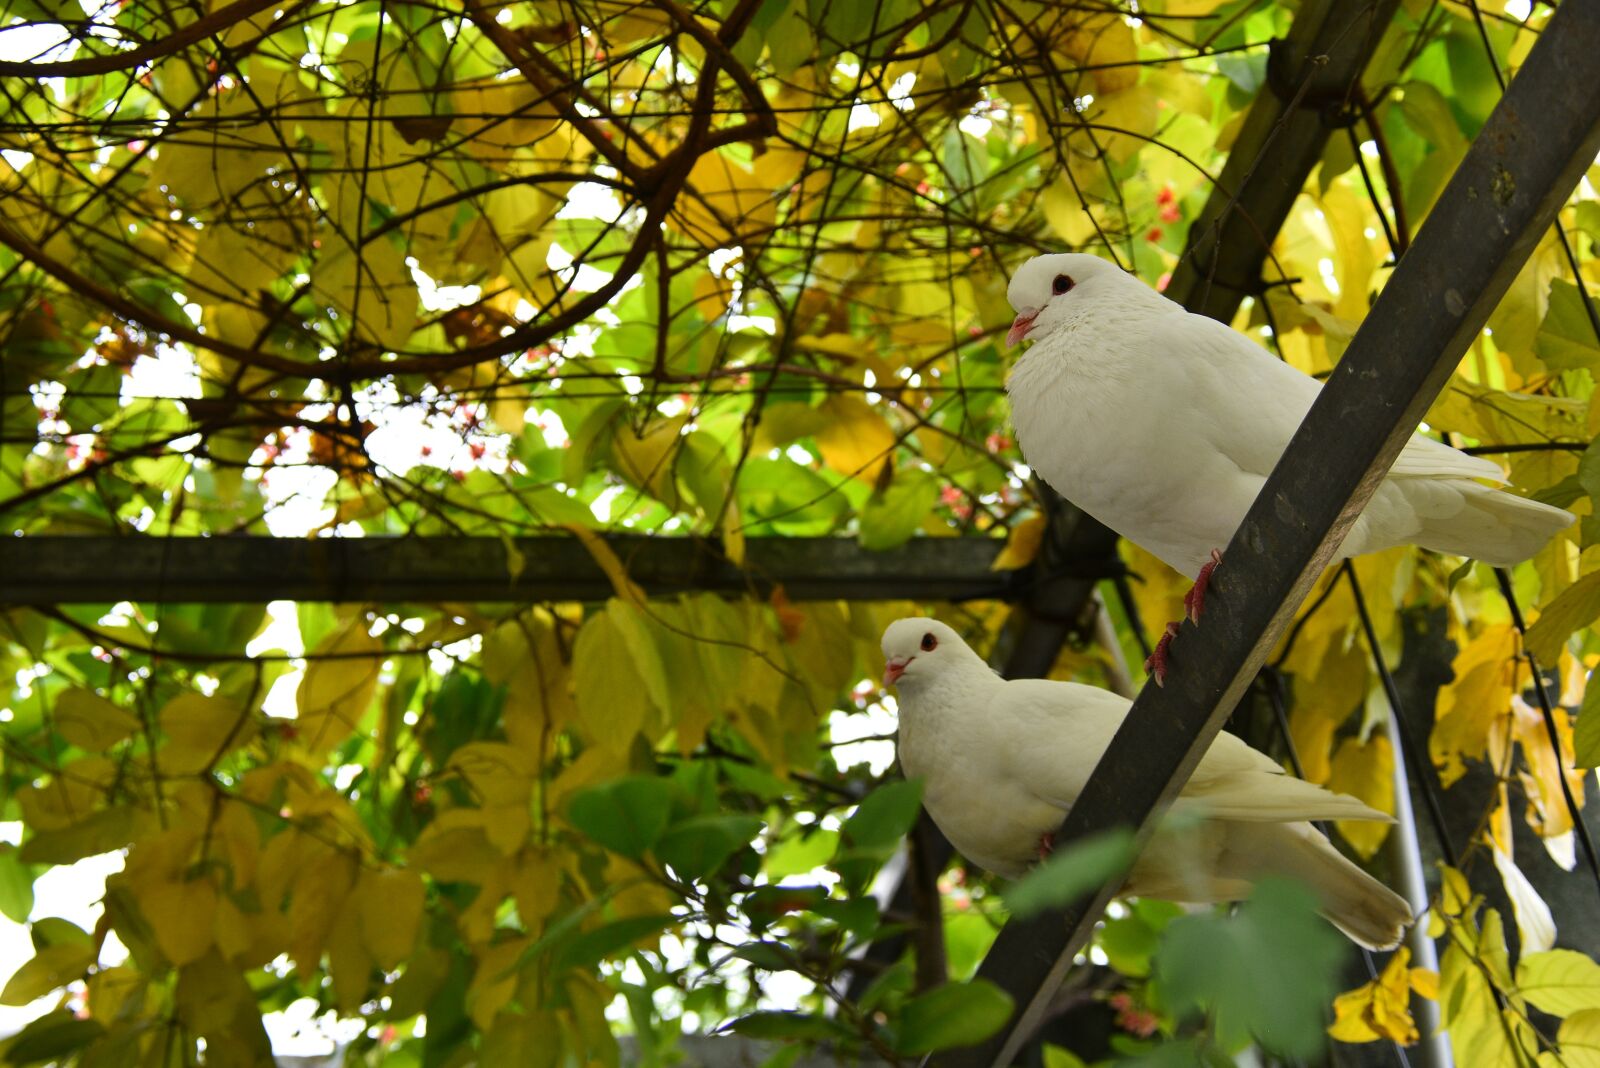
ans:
(1492, 525)
(1353, 901)
(1259, 797)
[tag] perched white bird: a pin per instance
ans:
(1001, 762)
(1164, 425)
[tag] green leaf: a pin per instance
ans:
(800, 853)
(1072, 871)
(51, 1036)
(16, 885)
(1267, 971)
(56, 931)
(697, 846)
(591, 947)
(1559, 981)
(1586, 732)
(626, 816)
(785, 1025)
(1056, 1057)
(1576, 606)
(883, 817)
(892, 517)
(1566, 339)
(772, 956)
(49, 969)
(957, 1014)
(1589, 470)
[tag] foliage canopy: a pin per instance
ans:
(716, 270)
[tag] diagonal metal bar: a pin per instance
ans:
(1312, 75)
(1524, 163)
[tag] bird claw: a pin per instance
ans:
(1194, 602)
(1047, 844)
(1156, 662)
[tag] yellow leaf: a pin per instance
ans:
(454, 848)
(316, 901)
(1312, 733)
(182, 913)
(857, 441)
(372, 290)
(1380, 1008)
(524, 655)
(712, 295)
(646, 458)
(1349, 1015)
(1469, 707)
(1022, 546)
(501, 781)
(52, 967)
(91, 722)
(494, 981)
(214, 1001)
(1105, 43)
(648, 643)
(115, 992)
(731, 527)
(537, 886)
(723, 201)
(527, 1039)
(339, 683)
(1346, 216)
(606, 557)
(69, 797)
(1579, 1039)
(1559, 981)
(613, 702)
(1469, 1014)
(197, 727)
(1366, 772)
(234, 932)
(389, 907)
(349, 963)
(1125, 119)
(1455, 894)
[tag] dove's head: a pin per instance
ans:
(1047, 291)
(917, 651)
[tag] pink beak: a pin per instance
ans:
(1020, 327)
(894, 667)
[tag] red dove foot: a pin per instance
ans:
(1156, 662)
(1194, 602)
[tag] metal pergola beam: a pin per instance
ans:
(65, 570)
(1312, 77)
(1501, 200)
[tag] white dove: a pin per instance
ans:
(1164, 425)
(1001, 762)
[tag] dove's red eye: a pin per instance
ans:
(929, 643)
(1061, 284)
